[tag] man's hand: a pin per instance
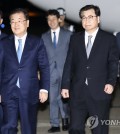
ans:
(108, 89)
(43, 96)
(65, 93)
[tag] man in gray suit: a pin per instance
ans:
(56, 41)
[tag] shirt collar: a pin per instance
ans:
(93, 34)
(23, 41)
(23, 37)
(56, 30)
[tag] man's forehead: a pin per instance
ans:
(90, 11)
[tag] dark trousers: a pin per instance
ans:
(80, 110)
(15, 108)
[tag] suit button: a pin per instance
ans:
(87, 67)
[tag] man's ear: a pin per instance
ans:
(27, 23)
(59, 20)
(98, 19)
(1, 20)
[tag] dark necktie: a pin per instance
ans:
(19, 54)
(89, 46)
(54, 40)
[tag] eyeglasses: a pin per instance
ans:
(18, 22)
(89, 18)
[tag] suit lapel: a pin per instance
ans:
(83, 48)
(60, 38)
(26, 49)
(12, 47)
(95, 45)
(50, 39)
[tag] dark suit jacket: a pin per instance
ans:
(99, 69)
(34, 56)
(2, 36)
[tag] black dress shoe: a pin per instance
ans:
(54, 129)
(65, 124)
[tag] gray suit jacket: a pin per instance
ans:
(57, 56)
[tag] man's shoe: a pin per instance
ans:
(65, 124)
(54, 129)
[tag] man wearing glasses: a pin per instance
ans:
(21, 55)
(90, 74)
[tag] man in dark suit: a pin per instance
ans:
(20, 57)
(2, 36)
(56, 41)
(89, 75)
